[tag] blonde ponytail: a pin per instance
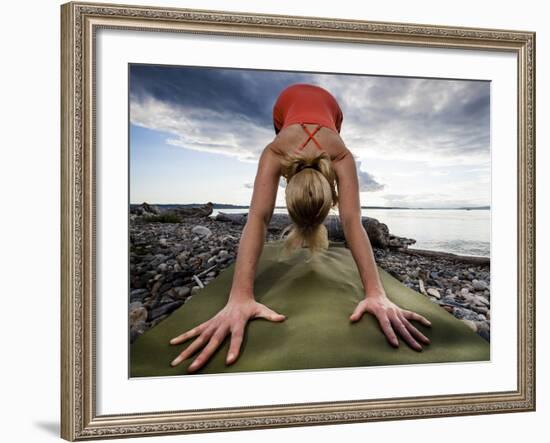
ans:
(310, 194)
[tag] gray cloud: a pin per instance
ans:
(437, 123)
(367, 183)
(440, 121)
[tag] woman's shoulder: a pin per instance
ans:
(342, 153)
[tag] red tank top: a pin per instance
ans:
(306, 103)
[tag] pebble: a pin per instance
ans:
(138, 294)
(137, 314)
(479, 285)
(182, 291)
(164, 309)
(471, 324)
(137, 329)
(201, 231)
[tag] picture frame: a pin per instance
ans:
(80, 23)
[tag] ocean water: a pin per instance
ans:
(460, 231)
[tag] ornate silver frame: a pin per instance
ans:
(79, 22)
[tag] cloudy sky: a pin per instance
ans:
(196, 135)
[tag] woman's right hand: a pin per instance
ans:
(231, 319)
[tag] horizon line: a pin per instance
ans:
(228, 205)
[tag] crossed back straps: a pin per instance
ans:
(310, 136)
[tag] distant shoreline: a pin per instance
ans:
(229, 206)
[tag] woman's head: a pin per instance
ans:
(310, 194)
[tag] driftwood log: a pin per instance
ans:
(472, 259)
(201, 211)
(145, 209)
(378, 232)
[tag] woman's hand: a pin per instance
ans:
(390, 316)
(231, 319)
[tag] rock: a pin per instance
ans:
(138, 294)
(464, 313)
(157, 320)
(195, 289)
(422, 289)
(181, 258)
(433, 292)
(182, 292)
(166, 299)
(424, 274)
(201, 231)
(479, 285)
(394, 273)
(156, 286)
(164, 309)
(413, 273)
(137, 314)
(471, 324)
(480, 310)
(465, 292)
(136, 330)
(165, 287)
(159, 258)
(482, 300)
(484, 330)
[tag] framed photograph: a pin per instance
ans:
(273, 220)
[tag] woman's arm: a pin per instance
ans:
(241, 306)
(254, 232)
(376, 302)
(349, 209)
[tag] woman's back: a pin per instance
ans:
(307, 118)
(291, 138)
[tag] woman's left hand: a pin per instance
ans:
(390, 316)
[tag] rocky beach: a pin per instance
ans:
(176, 252)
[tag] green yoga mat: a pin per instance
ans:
(317, 297)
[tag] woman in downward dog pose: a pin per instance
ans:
(320, 174)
